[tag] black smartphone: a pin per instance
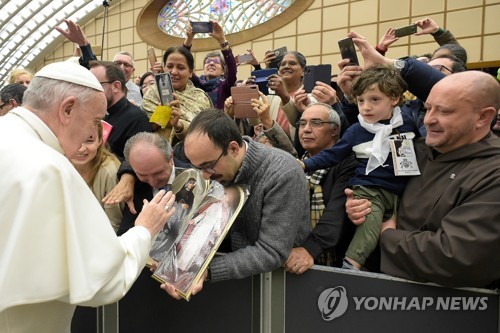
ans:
(312, 74)
(279, 53)
(406, 31)
(165, 88)
(261, 78)
(202, 27)
(348, 51)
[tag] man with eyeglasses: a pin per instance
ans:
(11, 96)
(447, 64)
(125, 61)
(126, 118)
(275, 217)
(319, 128)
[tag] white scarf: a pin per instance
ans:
(380, 146)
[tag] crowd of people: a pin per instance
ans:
(392, 168)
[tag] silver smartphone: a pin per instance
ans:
(165, 88)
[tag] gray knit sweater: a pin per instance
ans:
(274, 219)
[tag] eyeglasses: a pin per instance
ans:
(104, 82)
(3, 105)
(214, 60)
(314, 123)
(441, 67)
(124, 64)
(210, 169)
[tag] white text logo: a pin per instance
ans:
(333, 302)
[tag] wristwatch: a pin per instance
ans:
(399, 64)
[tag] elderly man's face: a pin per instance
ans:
(316, 138)
(82, 123)
(126, 64)
(150, 165)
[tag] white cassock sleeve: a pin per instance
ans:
(56, 242)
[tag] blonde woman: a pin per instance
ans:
(98, 167)
(21, 75)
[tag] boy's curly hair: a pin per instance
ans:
(387, 78)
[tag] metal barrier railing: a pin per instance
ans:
(323, 299)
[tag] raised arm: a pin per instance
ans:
(230, 75)
(75, 34)
(419, 76)
(429, 27)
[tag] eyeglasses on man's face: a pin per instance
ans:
(3, 105)
(124, 64)
(106, 82)
(210, 169)
(314, 123)
(441, 67)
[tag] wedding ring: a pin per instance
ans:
(166, 207)
(296, 266)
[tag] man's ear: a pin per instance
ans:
(13, 103)
(395, 101)
(336, 131)
(486, 116)
(67, 109)
(117, 86)
(234, 148)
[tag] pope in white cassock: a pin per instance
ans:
(57, 247)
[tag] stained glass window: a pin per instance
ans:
(233, 15)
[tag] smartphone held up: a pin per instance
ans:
(405, 31)
(165, 88)
(348, 51)
(202, 27)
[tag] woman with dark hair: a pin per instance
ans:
(146, 81)
(219, 69)
(188, 100)
(286, 84)
(451, 49)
